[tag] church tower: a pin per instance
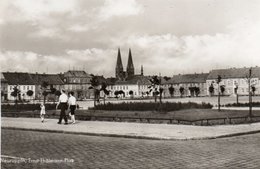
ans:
(119, 66)
(130, 70)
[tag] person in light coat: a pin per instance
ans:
(72, 106)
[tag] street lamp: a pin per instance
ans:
(249, 93)
(218, 81)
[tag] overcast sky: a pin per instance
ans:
(166, 36)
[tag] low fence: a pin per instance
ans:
(201, 122)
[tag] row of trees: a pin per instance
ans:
(251, 90)
(223, 89)
(157, 89)
(16, 93)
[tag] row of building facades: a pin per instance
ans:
(234, 80)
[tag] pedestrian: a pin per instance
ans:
(42, 113)
(63, 103)
(72, 106)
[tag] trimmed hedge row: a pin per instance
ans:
(151, 106)
(254, 104)
(26, 107)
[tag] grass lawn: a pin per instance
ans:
(188, 114)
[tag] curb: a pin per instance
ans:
(88, 134)
(132, 136)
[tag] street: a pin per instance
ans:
(28, 149)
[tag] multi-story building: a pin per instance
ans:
(4, 87)
(234, 80)
(137, 86)
(23, 82)
(78, 82)
(53, 81)
(189, 83)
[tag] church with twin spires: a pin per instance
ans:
(130, 70)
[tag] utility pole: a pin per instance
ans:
(218, 81)
(250, 94)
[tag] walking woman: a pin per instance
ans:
(63, 102)
(72, 106)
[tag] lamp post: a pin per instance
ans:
(250, 94)
(218, 81)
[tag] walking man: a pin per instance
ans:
(63, 102)
(72, 106)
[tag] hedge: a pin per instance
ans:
(254, 104)
(26, 107)
(151, 106)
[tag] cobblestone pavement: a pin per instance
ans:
(80, 151)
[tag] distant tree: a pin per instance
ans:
(53, 90)
(29, 93)
(155, 94)
(97, 95)
(147, 93)
(253, 89)
(94, 85)
(15, 93)
(57, 93)
(131, 93)
(211, 89)
(192, 91)
(181, 91)
(104, 89)
(171, 91)
(222, 89)
(236, 91)
(155, 87)
(121, 92)
(116, 93)
(197, 91)
(160, 93)
(44, 86)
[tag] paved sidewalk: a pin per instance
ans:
(132, 130)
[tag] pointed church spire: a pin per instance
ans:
(119, 60)
(130, 66)
(130, 60)
(119, 65)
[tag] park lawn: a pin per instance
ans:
(200, 114)
(187, 114)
